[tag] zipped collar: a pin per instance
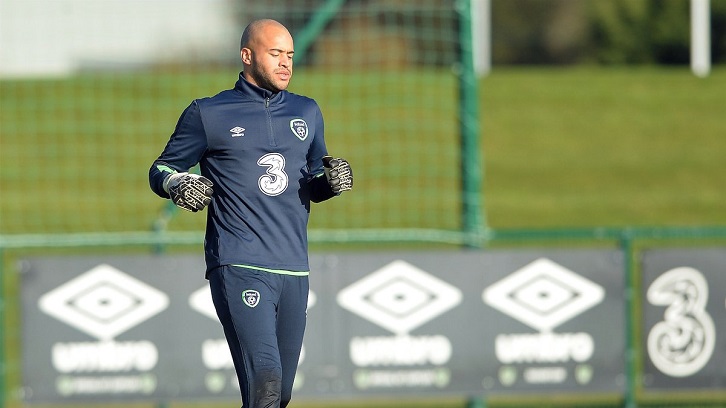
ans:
(256, 93)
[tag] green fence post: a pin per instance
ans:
(626, 244)
(473, 222)
(476, 402)
(304, 39)
(3, 333)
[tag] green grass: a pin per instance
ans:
(615, 147)
(569, 147)
(76, 152)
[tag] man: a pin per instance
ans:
(263, 159)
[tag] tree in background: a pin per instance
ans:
(599, 31)
(538, 32)
(526, 32)
(631, 32)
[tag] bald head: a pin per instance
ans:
(266, 50)
(256, 29)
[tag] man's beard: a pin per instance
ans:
(265, 81)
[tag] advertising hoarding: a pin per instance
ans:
(389, 323)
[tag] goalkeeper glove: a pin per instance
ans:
(338, 173)
(191, 192)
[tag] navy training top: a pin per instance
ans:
(263, 152)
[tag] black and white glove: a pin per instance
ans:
(191, 192)
(338, 173)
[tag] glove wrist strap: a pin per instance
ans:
(168, 180)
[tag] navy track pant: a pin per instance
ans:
(263, 315)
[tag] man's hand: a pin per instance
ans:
(338, 173)
(191, 192)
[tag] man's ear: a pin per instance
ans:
(246, 56)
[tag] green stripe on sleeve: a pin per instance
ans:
(164, 168)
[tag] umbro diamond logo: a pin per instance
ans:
(399, 297)
(543, 294)
(237, 131)
(103, 302)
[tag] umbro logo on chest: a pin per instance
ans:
(237, 131)
(298, 127)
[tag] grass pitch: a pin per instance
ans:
(562, 147)
(616, 147)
